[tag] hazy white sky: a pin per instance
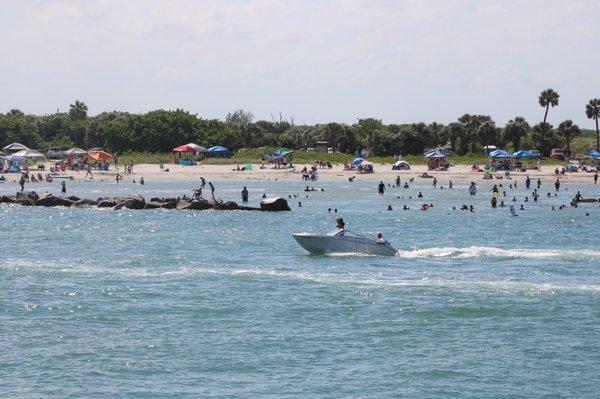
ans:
(318, 61)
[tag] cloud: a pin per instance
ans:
(317, 60)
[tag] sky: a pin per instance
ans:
(310, 61)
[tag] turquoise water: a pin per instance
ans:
(177, 304)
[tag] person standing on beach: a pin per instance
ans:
(596, 178)
(88, 172)
(63, 186)
(244, 194)
(22, 182)
(381, 187)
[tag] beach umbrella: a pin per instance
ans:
(197, 147)
(523, 154)
(357, 161)
(100, 156)
(401, 165)
(15, 159)
(14, 147)
(75, 151)
(594, 153)
(499, 154)
(184, 148)
(29, 154)
(283, 152)
(217, 149)
(436, 154)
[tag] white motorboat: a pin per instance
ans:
(348, 243)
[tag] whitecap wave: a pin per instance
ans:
(494, 252)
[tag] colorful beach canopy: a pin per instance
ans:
(523, 154)
(435, 154)
(75, 151)
(357, 161)
(217, 149)
(15, 147)
(499, 154)
(15, 159)
(185, 148)
(198, 148)
(283, 152)
(594, 153)
(29, 154)
(100, 156)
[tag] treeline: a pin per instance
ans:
(160, 131)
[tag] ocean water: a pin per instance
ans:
(180, 304)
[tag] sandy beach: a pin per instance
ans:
(384, 172)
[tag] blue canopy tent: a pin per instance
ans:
(435, 154)
(436, 160)
(500, 154)
(523, 154)
(594, 154)
(217, 151)
(357, 161)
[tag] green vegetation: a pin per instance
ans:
(150, 137)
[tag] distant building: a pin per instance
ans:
(321, 146)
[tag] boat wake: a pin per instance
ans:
(494, 252)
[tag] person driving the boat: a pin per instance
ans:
(341, 227)
(380, 239)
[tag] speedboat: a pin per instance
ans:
(318, 244)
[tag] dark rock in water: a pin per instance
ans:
(138, 202)
(135, 202)
(213, 201)
(8, 199)
(152, 205)
(227, 206)
(26, 198)
(85, 203)
(198, 205)
(183, 204)
(247, 208)
(106, 202)
(51, 200)
(274, 205)
(169, 203)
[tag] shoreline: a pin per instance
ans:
(383, 172)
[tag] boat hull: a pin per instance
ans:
(322, 244)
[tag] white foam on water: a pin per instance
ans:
(493, 252)
(334, 279)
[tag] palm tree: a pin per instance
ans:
(548, 98)
(568, 130)
(592, 110)
(78, 110)
(515, 130)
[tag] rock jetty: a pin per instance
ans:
(31, 198)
